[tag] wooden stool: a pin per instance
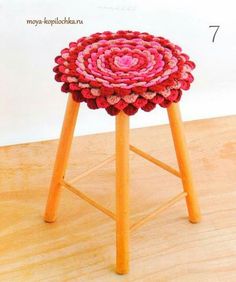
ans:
(121, 157)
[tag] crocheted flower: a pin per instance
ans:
(124, 71)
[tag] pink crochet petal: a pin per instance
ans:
(149, 95)
(95, 92)
(130, 98)
(112, 100)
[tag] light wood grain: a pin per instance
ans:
(62, 157)
(122, 193)
(80, 246)
(182, 154)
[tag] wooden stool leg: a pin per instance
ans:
(61, 158)
(184, 162)
(122, 193)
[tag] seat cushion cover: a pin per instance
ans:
(124, 71)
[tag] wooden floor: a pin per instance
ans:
(80, 246)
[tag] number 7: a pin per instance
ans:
(217, 28)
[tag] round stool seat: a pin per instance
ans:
(124, 71)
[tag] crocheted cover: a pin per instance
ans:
(124, 70)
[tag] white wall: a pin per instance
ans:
(31, 104)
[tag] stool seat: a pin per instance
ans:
(124, 71)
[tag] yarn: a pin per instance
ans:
(124, 71)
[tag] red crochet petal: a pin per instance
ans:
(112, 110)
(190, 78)
(92, 104)
(130, 110)
(65, 87)
(157, 88)
(58, 77)
(174, 95)
(78, 97)
(122, 92)
(56, 69)
(82, 78)
(86, 92)
(63, 77)
(95, 84)
(102, 102)
(57, 58)
(121, 104)
(177, 99)
(139, 89)
(140, 102)
(74, 86)
(157, 99)
(191, 64)
(149, 106)
(165, 103)
(106, 91)
(185, 85)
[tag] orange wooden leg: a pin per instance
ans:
(184, 162)
(61, 158)
(122, 193)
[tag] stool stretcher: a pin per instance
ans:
(87, 172)
(153, 160)
(88, 199)
(160, 209)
